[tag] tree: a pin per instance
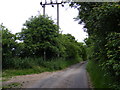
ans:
(0, 41)
(102, 22)
(8, 43)
(40, 37)
(72, 48)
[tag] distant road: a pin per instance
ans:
(72, 77)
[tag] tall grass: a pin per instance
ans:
(19, 66)
(20, 63)
(99, 77)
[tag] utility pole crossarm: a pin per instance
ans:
(52, 3)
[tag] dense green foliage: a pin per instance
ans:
(0, 49)
(39, 36)
(39, 42)
(102, 23)
(37, 65)
(99, 77)
(8, 43)
(0, 39)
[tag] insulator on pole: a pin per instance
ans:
(52, 5)
(40, 3)
(43, 6)
(62, 1)
(62, 5)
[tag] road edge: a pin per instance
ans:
(90, 82)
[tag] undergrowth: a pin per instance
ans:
(101, 78)
(12, 85)
(36, 65)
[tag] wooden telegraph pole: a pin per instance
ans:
(52, 4)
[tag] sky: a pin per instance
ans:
(14, 13)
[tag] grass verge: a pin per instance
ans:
(99, 77)
(12, 85)
(52, 65)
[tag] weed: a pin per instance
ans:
(99, 77)
(38, 65)
(12, 85)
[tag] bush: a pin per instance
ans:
(112, 63)
(21, 63)
(99, 77)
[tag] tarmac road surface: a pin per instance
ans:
(72, 77)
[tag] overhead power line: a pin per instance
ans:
(52, 3)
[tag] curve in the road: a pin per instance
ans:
(72, 77)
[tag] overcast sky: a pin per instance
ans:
(14, 13)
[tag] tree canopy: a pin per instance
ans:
(39, 35)
(102, 23)
(40, 38)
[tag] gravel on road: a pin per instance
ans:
(74, 76)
